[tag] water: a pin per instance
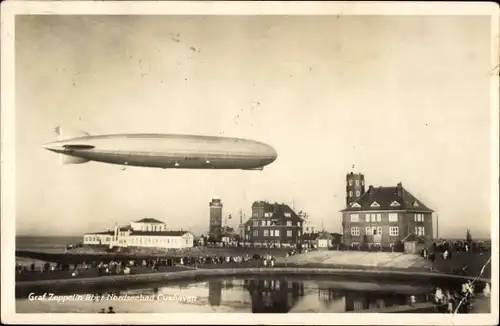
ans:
(42, 244)
(255, 295)
(45, 244)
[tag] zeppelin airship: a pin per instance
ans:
(165, 151)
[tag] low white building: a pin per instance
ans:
(147, 232)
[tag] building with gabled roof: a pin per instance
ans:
(147, 232)
(383, 215)
(273, 224)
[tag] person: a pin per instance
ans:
(450, 306)
(413, 300)
(438, 296)
(110, 310)
(487, 290)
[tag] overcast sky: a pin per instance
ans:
(402, 98)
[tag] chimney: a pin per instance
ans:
(399, 189)
(370, 189)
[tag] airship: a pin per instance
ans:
(164, 151)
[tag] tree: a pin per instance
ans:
(468, 237)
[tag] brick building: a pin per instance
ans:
(273, 224)
(383, 215)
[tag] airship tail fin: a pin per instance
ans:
(66, 159)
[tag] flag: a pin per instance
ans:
(229, 217)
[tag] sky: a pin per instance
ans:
(400, 98)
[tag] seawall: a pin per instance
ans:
(85, 285)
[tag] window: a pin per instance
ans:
(255, 224)
(266, 233)
(268, 223)
(375, 204)
(379, 217)
(367, 218)
(415, 204)
(395, 204)
(288, 214)
(248, 227)
(379, 230)
(268, 214)
(350, 193)
(298, 224)
(350, 182)
(358, 193)
(393, 231)
(393, 217)
(263, 223)
(289, 233)
(374, 217)
(369, 230)
(355, 205)
(419, 230)
(255, 233)
(419, 217)
(288, 223)
(354, 217)
(276, 233)
(357, 182)
(298, 233)
(355, 230)
(255, 214)
(362, 182)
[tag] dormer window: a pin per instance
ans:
(395, 204)
(375, 204)
(355, 205)
(415, 204)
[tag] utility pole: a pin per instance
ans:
(242, 229)
(437, 227)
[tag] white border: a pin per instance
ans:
(11, 8)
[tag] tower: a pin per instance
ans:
(355, 187)
(241, 227)
(215, 225)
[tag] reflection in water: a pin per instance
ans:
(257, 295)
(215, 293)
(273, 296)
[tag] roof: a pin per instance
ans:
(160, 233)
(110, 232)
(126, 228)
(309, 236)
(325, 236)
(387, 198)
(149, 220)
(278, 210)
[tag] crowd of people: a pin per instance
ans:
(133, 265)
